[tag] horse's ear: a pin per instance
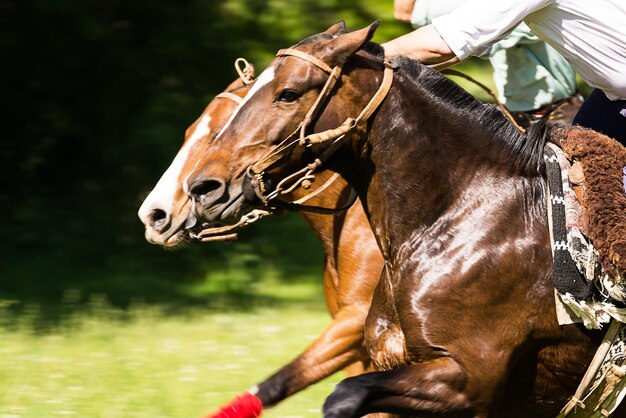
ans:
(336, 28)
(338, 50)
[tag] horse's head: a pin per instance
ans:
(272, 115)
(166, 212)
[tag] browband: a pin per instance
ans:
(307, 57)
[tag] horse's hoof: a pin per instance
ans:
(345, 401)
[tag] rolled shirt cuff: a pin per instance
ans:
(462, 39)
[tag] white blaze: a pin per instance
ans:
(265, 78)
(162, 196)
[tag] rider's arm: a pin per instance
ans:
(467, 30)
(424, 11)
(402, 10)
(423, 44)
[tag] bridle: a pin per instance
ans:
(335, 138)
(226, 233)
(246, 75)
(304, 177)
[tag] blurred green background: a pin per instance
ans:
(97, 97)
(94, 321)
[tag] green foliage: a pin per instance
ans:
(100, 94)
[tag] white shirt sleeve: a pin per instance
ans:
(473, 27)
(424, 11)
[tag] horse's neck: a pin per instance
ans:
(417, 168)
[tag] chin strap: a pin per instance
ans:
(229, 232)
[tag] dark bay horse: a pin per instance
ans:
(463, 320)
(353, 261)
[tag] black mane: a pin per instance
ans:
(525, 150)
(374, 51)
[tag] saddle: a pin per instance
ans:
(596, 178)
(594, 203)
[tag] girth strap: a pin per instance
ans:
(565, 275)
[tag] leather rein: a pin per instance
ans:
(304, 177)
(333, 137)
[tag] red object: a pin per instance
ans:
(246, 405)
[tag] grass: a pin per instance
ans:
(144, 361)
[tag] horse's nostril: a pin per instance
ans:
(205, 187)
(157, 218)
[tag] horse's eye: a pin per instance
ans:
(288, 96)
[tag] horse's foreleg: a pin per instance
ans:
(432, 388)
(339, 346)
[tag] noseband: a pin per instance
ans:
(334, 137)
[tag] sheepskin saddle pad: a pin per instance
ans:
(594, 203)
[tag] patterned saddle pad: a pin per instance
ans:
(588, 222)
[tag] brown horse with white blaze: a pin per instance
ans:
(166, 210)
(463, 320)
(353, 261)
